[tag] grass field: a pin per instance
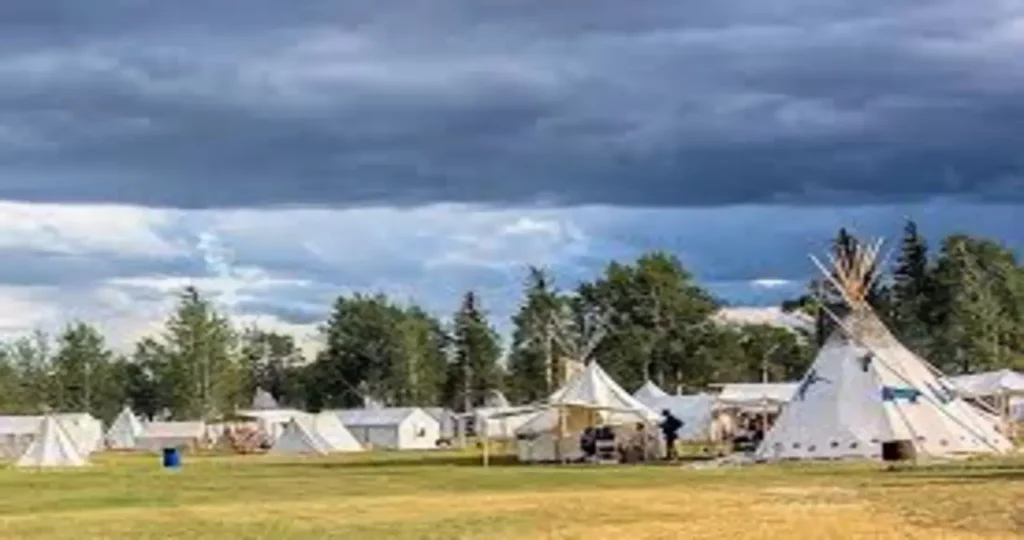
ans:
(448, 496)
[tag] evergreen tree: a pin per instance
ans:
(82, 372)
(536, 352)
(913, 291)
(200, 372)
(474, 371)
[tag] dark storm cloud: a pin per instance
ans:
(198, 104)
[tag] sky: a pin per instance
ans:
(278, 155)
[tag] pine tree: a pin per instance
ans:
(82, 370)
(536, 351)
(202, 376)
(474, 371)
(912, 291)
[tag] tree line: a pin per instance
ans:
(962, 307)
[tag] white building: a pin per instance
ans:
(409, 428)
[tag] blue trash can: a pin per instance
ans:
(172, 458)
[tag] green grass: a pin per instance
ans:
(449, 496)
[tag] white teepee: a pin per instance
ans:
(52, 447)
(123, 431)
(338, 438)
(650, 393)
(300, 437)
(865, 388)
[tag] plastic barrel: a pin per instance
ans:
(172, 458)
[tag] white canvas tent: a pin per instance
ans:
(263, 400)
(272, 421)
(865, 389)
(756, 396)
(335, 434)
(649, 393)
(123, 431)
(589, 398)
(696, 411)
(85, 430)
(156, 436)
(1003, 389)
(300, 437)
(52, 447)
(397, 428)
(1004, 382)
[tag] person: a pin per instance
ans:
(670, 429)
(588, 443)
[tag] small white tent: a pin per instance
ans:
(865, 389)
(335, 434)
(649, 393)
(52, 447)
(300, 437)
(123, 431)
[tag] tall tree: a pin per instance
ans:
(82, 374)
(976, 305)
(423, 359)
(272, 361)
(32, 358)
(536, 352)
(650, 309)
(474, 371)
(201, 377)
(378, 350)
(912, 291)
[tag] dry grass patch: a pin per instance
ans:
(383, 497)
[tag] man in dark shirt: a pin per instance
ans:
(670, 429)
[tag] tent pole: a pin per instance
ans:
(487, 456)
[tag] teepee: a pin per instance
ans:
(865, 389)
(300, 437)
(649, 394)
(52, 447)
(338, 438)
(123, 431)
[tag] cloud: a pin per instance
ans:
(243, 104)
(283, 268)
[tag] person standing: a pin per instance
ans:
(670, 429)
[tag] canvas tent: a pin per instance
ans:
(697, 412)
(501, 423)
(123, 430)
(85, 430)
(398, 428)
(52, 447)
(754, 397)
(300, 437)
(335, 434)
(156, 436)
(865, 392)
(1004, 382)
(590, 398)
(271, 421)
(649, 393)
(263, 401)
(1002, 389)
(16, 434)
